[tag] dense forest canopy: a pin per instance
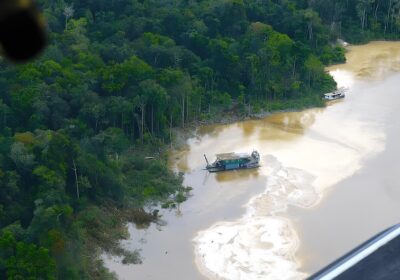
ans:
(77, 123)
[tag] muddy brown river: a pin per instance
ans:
(329, 180)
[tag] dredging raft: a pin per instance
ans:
(233, 161)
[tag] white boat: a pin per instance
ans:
(337, 94)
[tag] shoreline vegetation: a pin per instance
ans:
(85, 128)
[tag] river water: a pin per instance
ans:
(328, 181)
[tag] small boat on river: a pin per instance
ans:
(337, 94)
(233, 161)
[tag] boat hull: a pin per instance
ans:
(335, 98)
(213, 169)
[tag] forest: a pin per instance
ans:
(85, 127)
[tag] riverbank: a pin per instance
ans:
(181, 135)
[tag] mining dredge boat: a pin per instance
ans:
(232, 161)
(340, 93)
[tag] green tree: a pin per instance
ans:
(19, 260)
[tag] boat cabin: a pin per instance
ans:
(232, 160)
(340, 93)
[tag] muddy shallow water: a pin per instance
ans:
(328, 181)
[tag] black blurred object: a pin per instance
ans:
(22, 30)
